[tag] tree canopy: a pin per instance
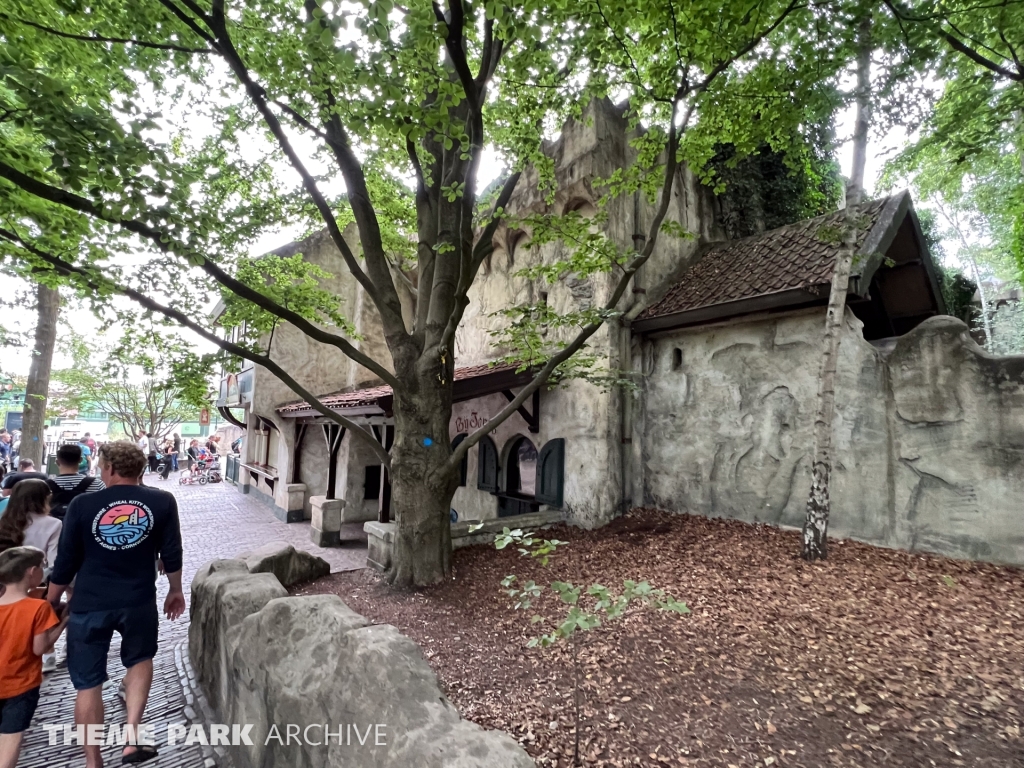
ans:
(146, 146)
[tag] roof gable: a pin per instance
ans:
(786, 267)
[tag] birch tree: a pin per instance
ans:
(819, 501)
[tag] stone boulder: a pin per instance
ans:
(290, 565)
(223, 594)
(307, 661)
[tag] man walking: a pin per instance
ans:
(151, 451)
(175, 451)
(111, 541)
(69, 482)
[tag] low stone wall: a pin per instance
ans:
(380, 537)
(273, 661)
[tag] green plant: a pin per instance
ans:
(589, 607)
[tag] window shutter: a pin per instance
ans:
(487, 478)
(464, 464)
(550, 472)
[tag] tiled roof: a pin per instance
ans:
(370, 396)
(797, 255)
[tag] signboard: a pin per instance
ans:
(204, 417)
(232, 397)
(14, 420)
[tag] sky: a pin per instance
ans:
(16, 361)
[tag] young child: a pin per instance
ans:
(28, 629)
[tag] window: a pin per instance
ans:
(677, 359)
(487, 465)
(464, 464)
(371, 482)
(521, 472)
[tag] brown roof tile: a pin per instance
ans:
(797, 255)
(367, 397)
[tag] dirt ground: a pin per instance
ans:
(875, 657)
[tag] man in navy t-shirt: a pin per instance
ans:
(111, 541)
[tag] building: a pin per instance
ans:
(723, 341)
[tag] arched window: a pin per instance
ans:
(521, 468)
(519, 478)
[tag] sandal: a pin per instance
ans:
(142, 754)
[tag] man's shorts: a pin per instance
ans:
(89, 636)
(16, 712)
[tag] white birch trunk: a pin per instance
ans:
(819, 503)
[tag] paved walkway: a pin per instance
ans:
(216, 521)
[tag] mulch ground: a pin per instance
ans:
(875, 657)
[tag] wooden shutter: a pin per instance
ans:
(464, 464)
(550, 472)
(487, 460)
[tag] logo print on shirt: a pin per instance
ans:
(122, 525)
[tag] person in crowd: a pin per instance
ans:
(175, 451)
(151, 450)
(26, 471)
(85, 465)
(28, 628)
(212, 445)
(142, 442)
(116, 536)
(27, 522)
(193, 453)
(5, 452)
(164, 463)
(69, 482)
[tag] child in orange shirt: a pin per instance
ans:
(28, 629)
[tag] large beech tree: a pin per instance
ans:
(168, 135)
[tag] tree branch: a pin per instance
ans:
(100, 283)
(101, 39)
(166, 245)
(484, 247)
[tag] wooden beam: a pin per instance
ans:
(532, 419)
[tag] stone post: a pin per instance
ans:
(325, 528)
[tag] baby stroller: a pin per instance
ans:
(205, 470)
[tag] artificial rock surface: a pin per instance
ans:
(275, 661)
(290, 565)
(929, 447)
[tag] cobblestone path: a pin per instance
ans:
(216, 521)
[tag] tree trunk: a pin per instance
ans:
(33, 430)
(421, 493)
(819, 503)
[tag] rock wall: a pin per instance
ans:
(929, 447)
(267, 659)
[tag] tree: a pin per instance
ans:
(398, 104)
(819, 502)
(970, 152)
(134, 390)
(33, 426)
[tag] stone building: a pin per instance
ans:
(723, 340)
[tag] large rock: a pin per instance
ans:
(311, 660)
(290, 565)
(223, 594)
